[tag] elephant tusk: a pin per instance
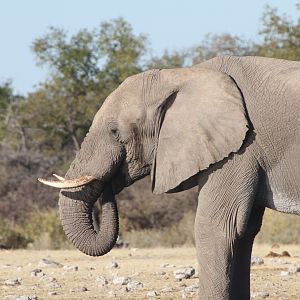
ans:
(67, 183)
(58, 177)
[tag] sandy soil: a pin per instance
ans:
(143, 265)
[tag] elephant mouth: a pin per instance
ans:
(63, 183)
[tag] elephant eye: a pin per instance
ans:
(114, 131)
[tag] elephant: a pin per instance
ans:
(229, 125)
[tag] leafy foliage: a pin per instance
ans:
(281, 36)
(169, 60)
(220, 44)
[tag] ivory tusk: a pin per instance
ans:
(67, 183)
(59, 177)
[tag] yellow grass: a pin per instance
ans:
(140, 265)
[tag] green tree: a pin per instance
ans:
(83, 69)
(122, 51)
(281, 36)
(6, 98)
(175, 59)
(220, 44)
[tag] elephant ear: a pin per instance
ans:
(203, 124)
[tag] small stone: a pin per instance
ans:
(133, 285)
(184, 295)
(52, 293)
(47, 262)
(184, 273)
(48, 278)
(285, 273)
(36, 272)
(152, 294)
(91, 268)
(293, 269)
(7, 266)
(54, 285)
(166, 265)
(159, 273)
(121, 280)
(168, 290)
(70, 268)
(111, 294)
(260, 295)
(34, 297)
(101, 280)
(256, 261)
(13, 282)
(78, 289)
(192, 288)
(113, 265)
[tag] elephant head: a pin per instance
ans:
(171, 123)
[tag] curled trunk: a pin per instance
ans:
(75, 207)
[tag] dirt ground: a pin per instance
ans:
(153, 268)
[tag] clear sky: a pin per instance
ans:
(171, 24)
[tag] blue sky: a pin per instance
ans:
(170, 24)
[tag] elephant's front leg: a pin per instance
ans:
(215, 259)
(224, 206)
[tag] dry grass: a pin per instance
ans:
(139, 264)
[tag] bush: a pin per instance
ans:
(43, 228)
(176, 235)
(279, 228)
(11, 237)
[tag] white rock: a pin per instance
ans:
(7, 266)
(184, 295)
(184, 273)
(13, 282)
(70, 268)
(111, 294)
(284, 273)
(101, 280)
(48, 262)
(192, 288)
(36, 273)
(78, 289)
(152, 294)
(53, 285)
(47, 278)
(168, 290)
(293, 269)
(256, 261)
(166, 265)
(260, 295)
(34, 297)
(161, 273)
(121, 280)
(113, 265)
(133, 285)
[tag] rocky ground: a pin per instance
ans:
(136, 274)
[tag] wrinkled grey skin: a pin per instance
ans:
(230, 125)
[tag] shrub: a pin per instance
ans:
(43, 228)
(279, 228)
(175, 235)
(11, 237)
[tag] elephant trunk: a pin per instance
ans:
(75, 207)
